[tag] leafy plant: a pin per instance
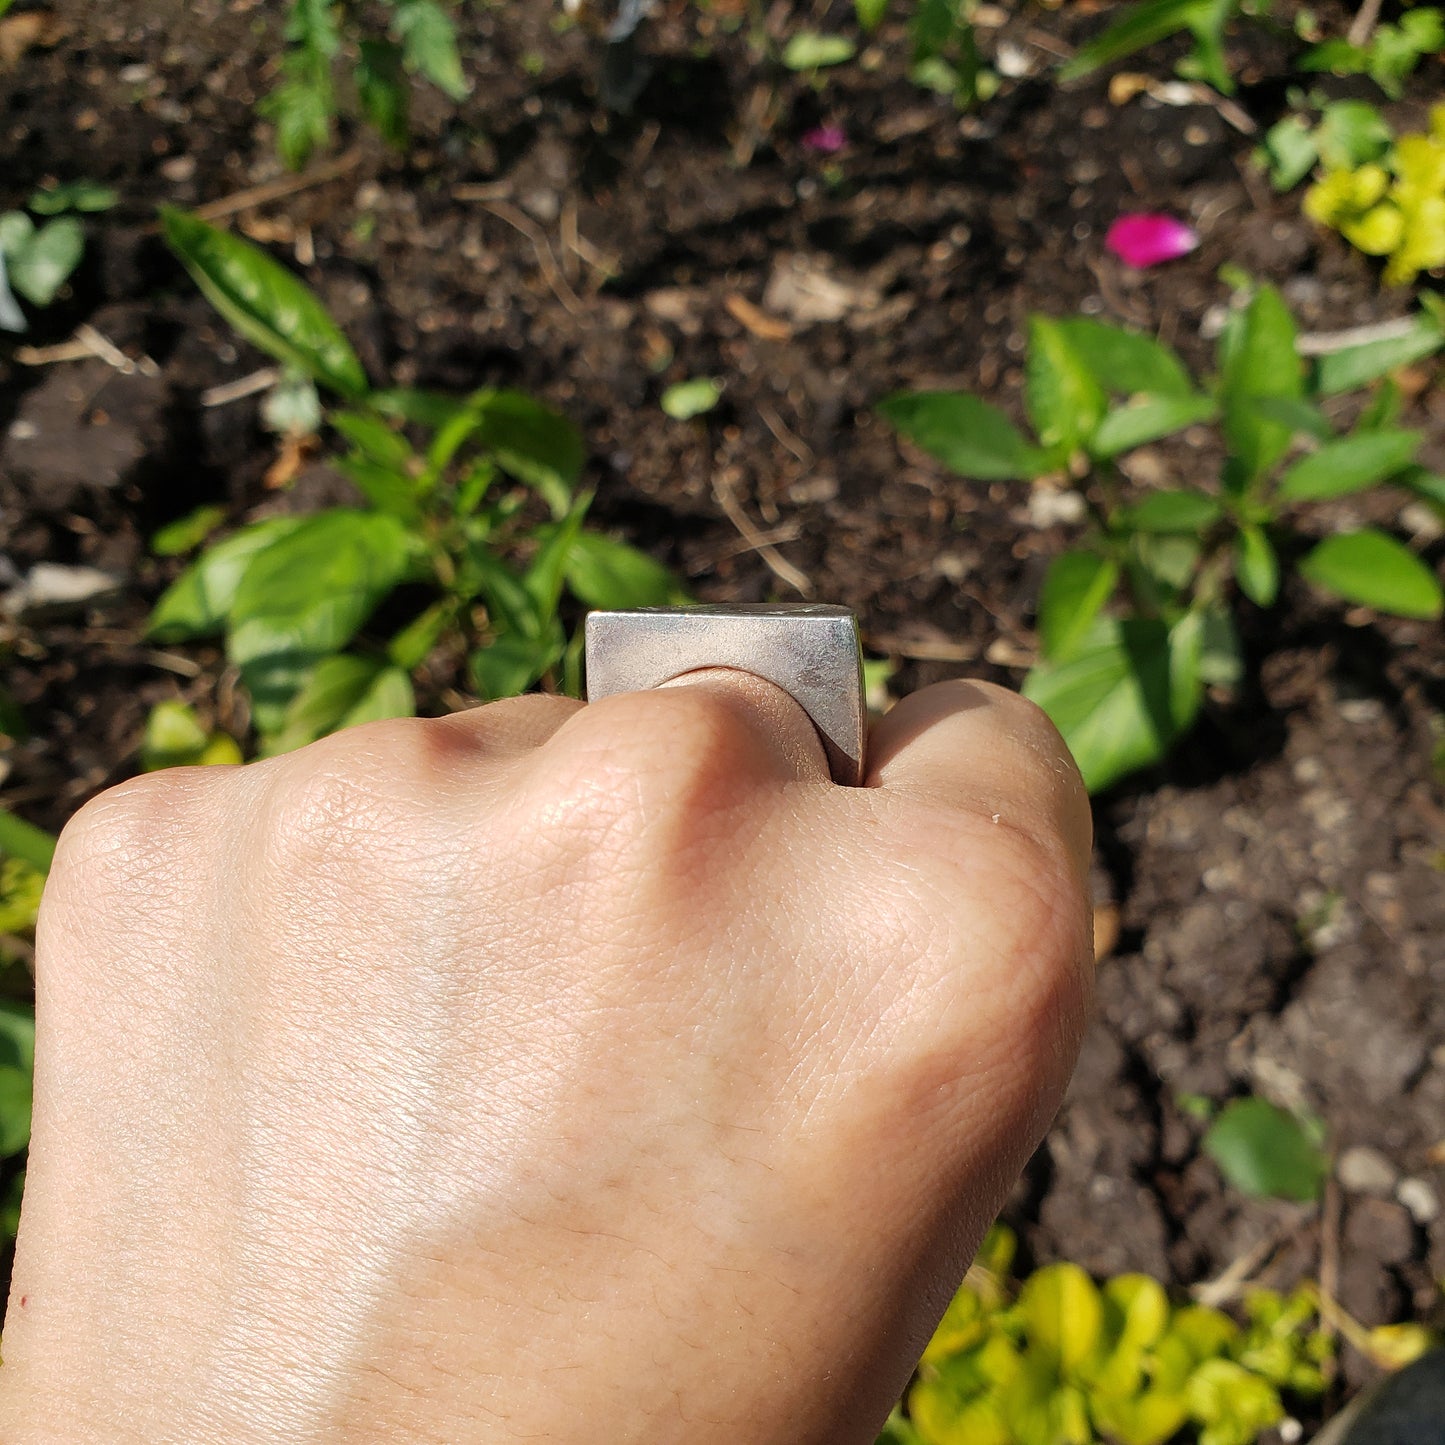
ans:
(37, 260)
(420, 40)
(1390, 54)
(1393, 206)
(1059, 1360)
(1137, 619)
(451, 486)
(1348, 133)
(1143, 25)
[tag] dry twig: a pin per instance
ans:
(758, 542)
(275, 190)
(518, 220)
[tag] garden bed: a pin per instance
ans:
(1270, 898)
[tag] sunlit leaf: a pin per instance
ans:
(1064, 400)
(1257, 358)
(1147, 419)
(188, 532)
(810, 50)
(1374, 569)
(268, 305)
(43, 263)
(1172, 512)
(1075, 587)
(1349, 464)
(684, 400)
(341, 692)
(605, 573)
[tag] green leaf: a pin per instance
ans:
(342, 691)
(1355, 366)
(1352, 133)
(1129, 689)
(19, 839)
(198, 601)
(301, 107)
(870, 14)
(1371, 568)
(1146, 420)
(187, 532)
(1289, 152)
(382, 90)
(15, 1103)
(1348, 465)
(39, 267)
(264, 302)
(605, 573)
(1430, 486)
(77, 195)
(808, 50)
(372, 437)
(548, 570)
(1257, 358)
(1265, 1152)
(686, 399)
(1064, 401)
(1221, 655)
(511, 664)
(1126, 363)
(305, 596)
(1256, 566)
(1076, 586)
(1137, 27)
(966, 434)
(385, 488)
(1172, 512)
(536, 445)
(17, 1035)
(1302, 418)
(429, 45)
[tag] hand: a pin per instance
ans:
(542, 1072)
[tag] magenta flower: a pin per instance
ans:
(826, 140)
(1148, 239)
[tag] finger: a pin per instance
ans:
(985, 750)
(717, 727)
(511, 727)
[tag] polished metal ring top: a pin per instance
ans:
(810, 651)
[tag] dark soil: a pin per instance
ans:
(1276, 887)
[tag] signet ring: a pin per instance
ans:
(811, 651)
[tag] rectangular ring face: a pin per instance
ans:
(809, 650)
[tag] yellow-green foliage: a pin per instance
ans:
(20, 886)
(1393, 208)
(1064, 1361)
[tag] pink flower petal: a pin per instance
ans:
(826, 140)
(1148, 239)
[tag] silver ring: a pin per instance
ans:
(811, 651)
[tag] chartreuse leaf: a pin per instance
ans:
(1356, 366)
(76, 195)
(684, 400)
(1257, 358)
(268, 305)
(1374, 569)
(1064, 400)
(966, 434)
(869, 14)
(811, 50)
(1064, 1313)
(1146, 419)
(1041, 1409)
(1127, 691)
(342, 691)
(197, 603)
(1172, 512)
(174, 738)
(1256, 566)
(1076, 586)
(1150, 1417)
(429, 45)
(605, 573)
(1232, 1405)
(1264, 1151)
(304, 597)
(1348, 465)
(187, 532)
(1124, 363)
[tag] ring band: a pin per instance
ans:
(811, 651)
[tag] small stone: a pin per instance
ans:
(51, 590)
(1362, 1170)
(179, 169)
(1420, 1199)
(1376, 1229)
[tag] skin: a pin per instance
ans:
(544, 1072)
